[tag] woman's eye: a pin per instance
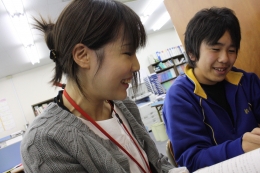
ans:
(215, 49)
(128, 53)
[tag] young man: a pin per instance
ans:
(213, 111)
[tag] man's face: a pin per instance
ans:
(215, 61)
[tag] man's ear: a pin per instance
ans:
(81, 55)
(192, 57)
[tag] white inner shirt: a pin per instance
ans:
(117, 131)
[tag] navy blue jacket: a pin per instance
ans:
(201, 132)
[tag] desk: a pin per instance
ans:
(158, 105)
(18, 170)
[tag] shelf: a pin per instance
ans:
(164, 69)
(168, 80)
(171, 70)
(181, 63)
(176, 56)
(161, 61)
(39, 107)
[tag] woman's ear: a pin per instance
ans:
(81, 55)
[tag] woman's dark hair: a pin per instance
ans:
(209, 25)
(93, 23)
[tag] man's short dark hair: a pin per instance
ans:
(209, 25)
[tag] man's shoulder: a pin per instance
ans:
(182, 82)
(235, 69)
(245, 73)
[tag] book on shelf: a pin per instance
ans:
(162, 65)
(168, 84)
(166, 54)
(156, 68)
(245, 163)
(169, 63)
(153, 85)
(179, 61)
(44, 105)
(39, 107)
(181, 68)
(166, 75)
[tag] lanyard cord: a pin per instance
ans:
(121, 122)
(78, 108)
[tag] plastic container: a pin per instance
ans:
(159, 131)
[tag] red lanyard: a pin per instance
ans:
(74, 104)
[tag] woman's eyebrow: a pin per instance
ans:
(126, 44)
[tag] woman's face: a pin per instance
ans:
(111, 79)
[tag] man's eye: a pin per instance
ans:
(215, 49)
(232, 51)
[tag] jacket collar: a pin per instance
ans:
(232, 77)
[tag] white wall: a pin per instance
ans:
(25, 89)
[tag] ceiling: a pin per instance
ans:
(12, 53)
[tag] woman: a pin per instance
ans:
(92, 126)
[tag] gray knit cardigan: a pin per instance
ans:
(57, 141)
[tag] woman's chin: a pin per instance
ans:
(121, 96)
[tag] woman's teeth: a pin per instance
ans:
(126, 81)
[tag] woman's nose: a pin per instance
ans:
(135, 64)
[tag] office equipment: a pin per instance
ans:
(10, 154)
(138, 93)
(148, 115)
(158, 105)
(141, 96)
(5, 139)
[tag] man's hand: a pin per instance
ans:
(251, 140)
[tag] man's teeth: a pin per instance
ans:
(126, 81)
(219, 69)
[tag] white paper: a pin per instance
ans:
(245, 163)
(179, 170)
(6, 119)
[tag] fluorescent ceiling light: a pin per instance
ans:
(161, 21)
(151, 7)
(16, 11)
(32, 54)
(144, 19)
(13, 6)
(23, 29)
